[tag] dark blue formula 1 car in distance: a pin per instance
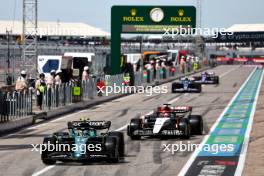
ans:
(84, 143)
(186, 85)
(207, 78)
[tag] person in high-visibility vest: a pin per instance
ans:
(40, 87)
(195, 66)
(126, 79)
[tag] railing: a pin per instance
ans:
(15, 105)
(20, 104)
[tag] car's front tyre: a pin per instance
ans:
(44, 155)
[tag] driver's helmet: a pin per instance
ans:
(76, 132)
(84, 119)
(90, 132)
(186, 79)
(164, 114)
(80, 133)
(164, 111)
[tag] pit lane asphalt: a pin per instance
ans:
(145, 157)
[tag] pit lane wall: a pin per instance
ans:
(245, 61)
(18, 109)
(232, 128)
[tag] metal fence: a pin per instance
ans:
(20, 104)
(15, 105)
(60, 95)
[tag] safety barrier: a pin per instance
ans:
(138, 78)
(20, 104)
(15, 105)
(88, 89)
(60, 95)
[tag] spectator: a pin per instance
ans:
(163, 69)
(85, 74)
(50, 82)
(58, 82)
(51, 79)
(182, 65)
(100, 85)
(126, 79)
(21, 83)
(58, 77)
(148, 66)
(188, 63)
(40, 89)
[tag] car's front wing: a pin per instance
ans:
(149, 132)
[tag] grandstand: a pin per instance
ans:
(56, 38)
(51, 29)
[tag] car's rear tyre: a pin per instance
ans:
(185, 127)
(48, 161)
(175, 86)
(135, 137)
(114, 159)
(196, 122)
(199, 88)
(134, 125)
(111, 145)
(121, 142)
(172, 90)
(61, 134)
(217, 80)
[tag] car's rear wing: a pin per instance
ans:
(209, 73)
(99, 125)
(189, 78)
(182, 109)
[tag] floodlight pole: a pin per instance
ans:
(29, 36)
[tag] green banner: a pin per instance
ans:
(146, 20)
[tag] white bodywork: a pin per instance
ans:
(76, 55)
(211, 73)
(173, 55)
(43, 59)
(159, 123)
(133, 58)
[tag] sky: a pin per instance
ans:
(215, 13)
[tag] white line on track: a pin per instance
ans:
(119, 129)
(55, 120)
(196, 152)
(50, 167)
(176, 99)
(43, 170)
(241, 161)
(64, 117)
(223, 74)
